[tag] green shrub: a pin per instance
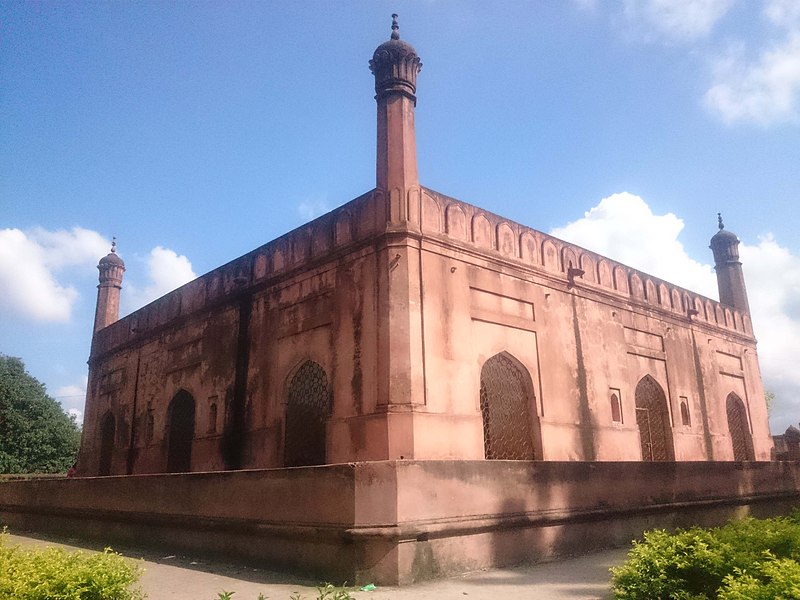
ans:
(55, 574)
(750, 559)
(777, 578)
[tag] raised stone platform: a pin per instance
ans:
(398, 522)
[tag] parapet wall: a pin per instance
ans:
(316, 242)
(432, 214)
(474, 227)
(400, 521)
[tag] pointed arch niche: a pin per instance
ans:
(511, 429)
(180, 432)
(652, 417)
(741, 439)
(108, 432)
(308, 406)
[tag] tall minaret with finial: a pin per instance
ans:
(395, 65)
(730, 279)
(111, 268)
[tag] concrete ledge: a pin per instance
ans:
(397, 522)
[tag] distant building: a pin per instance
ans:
(406, 324)
(787, 444)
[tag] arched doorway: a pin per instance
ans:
(740, 432)
(180, 434)
(652, 417)
(506, 398)
(107, 434)
(308, 406)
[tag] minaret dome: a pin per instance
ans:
(730, 278)
(395, 65)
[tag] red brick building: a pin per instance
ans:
(406, 324)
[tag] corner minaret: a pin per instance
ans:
(395, 65)
(111, 268)
(730, 278)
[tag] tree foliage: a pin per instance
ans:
(36, 436)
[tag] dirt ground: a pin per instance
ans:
(181, 577)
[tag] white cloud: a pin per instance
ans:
(70, 392)
(772, 274)
(77, 247)
(675, 20)
(30, 262)
(166, 271)
(311, 209)
(765, 91)
(624, 228)
(72, 398)
(783, 13)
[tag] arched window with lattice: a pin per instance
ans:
(308, 406)
(652, 417)
(180, 433)
(510, 421)
(108, 431)
(738, 427)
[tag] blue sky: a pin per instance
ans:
(195, 132)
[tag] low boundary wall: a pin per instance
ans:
(397, 522)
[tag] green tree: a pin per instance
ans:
(36, 436)
(769, 398)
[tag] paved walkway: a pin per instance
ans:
(192, 578)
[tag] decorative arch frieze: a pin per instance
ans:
(456, 222)
(604, 274)
(651, 295)
(664, 297)
(677, 304)
(550, 256)
(711, 315)
(637, 289)
(527, 248)
(481, 231)
(431, 214)
(569, 259)
(589, 268)
(621, 279)
(505, 239)
(343, 228)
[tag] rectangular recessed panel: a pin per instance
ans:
(313, 312)
(643, 339)
(484, 301)
(729, 363)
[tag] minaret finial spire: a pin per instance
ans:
(114, 244)
(719, 219)
(395, 28)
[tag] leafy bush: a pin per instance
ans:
(748, 559)
(55, 574)
(775, 578)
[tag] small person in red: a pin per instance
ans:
(72, 470)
